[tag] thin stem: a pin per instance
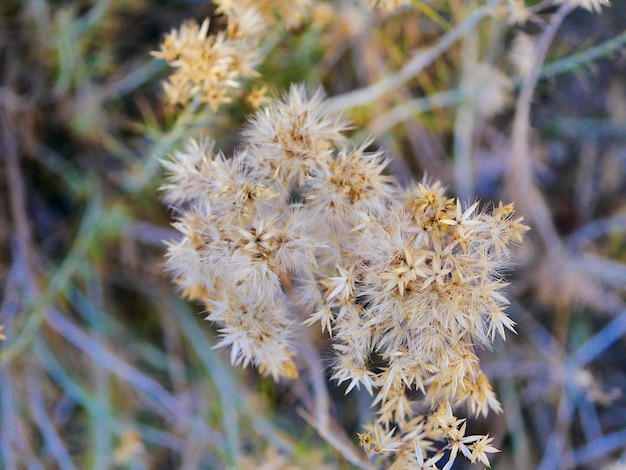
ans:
(225, 385)
(464, 123)
(599, 343)
(51, 437)
(7, 420)
(37, 314)
(555, 446)
(595, 450)
(167, 403)
(319, 417)
(16, 189)
(576, 61)
(520, 171)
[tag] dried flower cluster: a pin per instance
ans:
(299, 226)
(212, 67)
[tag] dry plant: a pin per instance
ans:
(299, 226)
(318, 259)
(211, 66)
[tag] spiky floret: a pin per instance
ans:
(293, 136)
(250, 243)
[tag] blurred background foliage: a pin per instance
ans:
(104, 367)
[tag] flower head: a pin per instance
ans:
(299, 227)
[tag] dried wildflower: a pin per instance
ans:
(453, 429)
(380, 443)
(351, 181)
(245, 242)
(298, 226)
(211, 67)
(481, 448)
(291, 138)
